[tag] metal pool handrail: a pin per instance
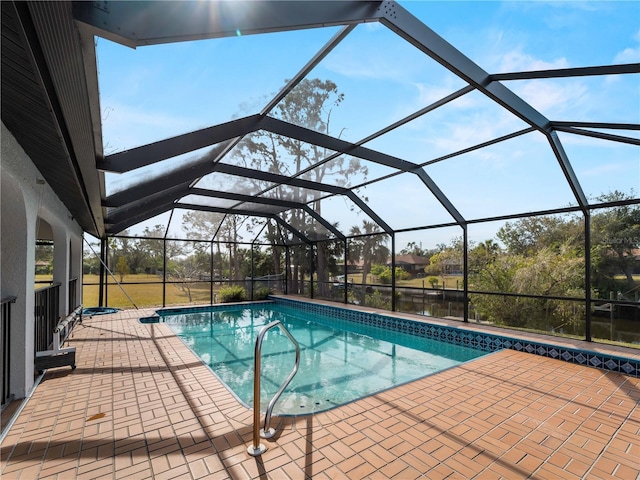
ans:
(257, 448)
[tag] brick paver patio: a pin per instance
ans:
(141, 405)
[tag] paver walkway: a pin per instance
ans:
(141, 405)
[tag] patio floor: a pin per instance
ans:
(141, 405)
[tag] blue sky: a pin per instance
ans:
(160, 91)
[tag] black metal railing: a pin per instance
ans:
(5, 345)
(47, 308)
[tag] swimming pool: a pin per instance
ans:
(340, 361)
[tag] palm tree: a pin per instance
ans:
(368, 246)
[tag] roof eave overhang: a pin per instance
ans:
(58, 135)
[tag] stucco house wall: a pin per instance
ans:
(24, 199)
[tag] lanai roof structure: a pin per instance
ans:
(50, 65)
(320, 124)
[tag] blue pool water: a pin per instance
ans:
(340, 361)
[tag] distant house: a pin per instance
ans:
(412, 264)
(452, 266)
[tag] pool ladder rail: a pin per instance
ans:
(266, 432)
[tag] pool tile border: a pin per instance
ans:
(486, 342)
(206, 308)
(163, 312)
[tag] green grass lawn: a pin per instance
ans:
(145, 291)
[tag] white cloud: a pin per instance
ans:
(429, 93)
(553, 99)
(473, 128)
(516, 60)
(629, 54)
(366, 65)
(604, 169)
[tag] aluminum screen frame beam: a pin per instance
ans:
(295, 80)
(164, 182)
(277, 178)
(444, 201)
(429, 42)
(242, 198)
(443, 101)
(607, 125)
(173, 21)
(307, 135)
(408, 27)
(305, 70)
(283, 128)
(207, 208)
(247, 213)
(367, 210)
(324, 222)
(122, 214)
(168, 189)
(204, 167)
(192, 172)
(119, 201)
(569, 173)
(600, 135)
(132, 197)
(125, 218)
(479, 146)
(266, 201)
(149, 154)
(569, 72)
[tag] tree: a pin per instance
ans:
(120, 247)
(369, 245)
(122, 267)
(184, 274)
(151, 247)
(201, 225)
(413, 248)
(377, 269)
(308, 105)
(615, 233)
(261, 262)
(529, 235)
(91, 260)
(548, 272)
(482, 255)
(229, 233)
(327, 254)
(44, 251)
(385, 275)
(448, 260)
